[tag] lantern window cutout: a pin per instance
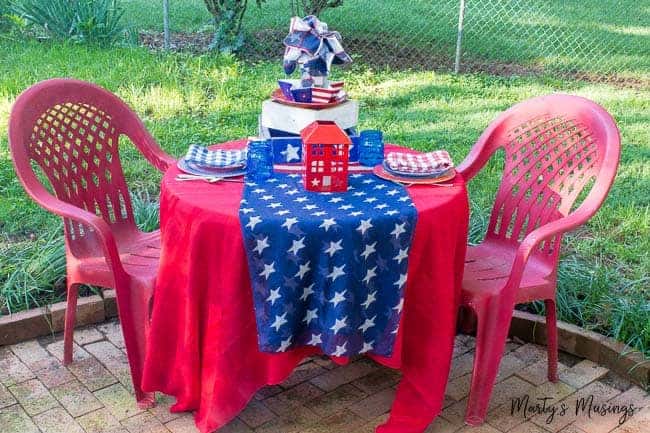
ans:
(326, 157)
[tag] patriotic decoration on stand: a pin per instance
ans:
(327, 270)
(312, 46)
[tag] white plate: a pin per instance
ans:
(188, 167)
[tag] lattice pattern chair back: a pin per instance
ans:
(71, 129)
(553, 146)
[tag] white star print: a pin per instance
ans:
(310, 207)
(398, 230)
(336, 200)
(259, 190)
(279, 321)
(369, 274)
(319, 213)
(274, 205)
(291, 153)
(381, 206)
(370, 200)
(365, 225)
(403, 254)
(315, 182)
(275, 295)
(283, 186)
(253, 221)
(367, 347)
(289, 222)
(334, 247)
(262, 244)
(315, 339)
(339, 324)
(369, 300)
(359, 194)
(369, 323)
(247, 210)
(336, 272)
(301, 199)
(382, 186)
(267, 197)
(311, 315)
(268, 270)
(307, 291)
(367, 181)
(346, 207)
(285, 345)
(297, 246)
(400, 282)
(356, 213)
(340, 350)
(393, 192)
(392, 212)
(338, 298)
(405, 198)
(293, 191)
(282, 212)
(327, 223)
(303, 270)
(399, 306)
(370, 248)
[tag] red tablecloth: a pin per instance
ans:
(203, 339)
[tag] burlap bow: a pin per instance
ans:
(315, 48)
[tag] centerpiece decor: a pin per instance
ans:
(313, 48)
(325, 157)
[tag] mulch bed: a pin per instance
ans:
(264, 45)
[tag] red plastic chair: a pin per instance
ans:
(71, 129)
(553, 146)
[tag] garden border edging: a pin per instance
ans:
(531, 328)
(42, 321)
(598, 348)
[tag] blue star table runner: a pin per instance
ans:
(327, 269)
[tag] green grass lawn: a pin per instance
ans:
(184, 98)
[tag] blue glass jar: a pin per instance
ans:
(371, 148)
(259, 163)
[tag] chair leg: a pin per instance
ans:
(70, 315)
(551, 338)
(491, 334)
(133, 311)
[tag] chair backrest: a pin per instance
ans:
(71, 129)
(553, 146)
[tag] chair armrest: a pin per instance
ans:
(66, 210)
(148, 146)
(481, 152)
(534, 238)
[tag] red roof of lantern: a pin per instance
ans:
(324, 132)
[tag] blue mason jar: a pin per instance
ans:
(259, 163)
(371, 148)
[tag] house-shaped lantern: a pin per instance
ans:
(325, 157)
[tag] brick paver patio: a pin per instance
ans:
(93, 395)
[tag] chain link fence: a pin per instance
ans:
(596, 40)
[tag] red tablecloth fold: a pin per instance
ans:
(203, 341)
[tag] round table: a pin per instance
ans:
(203, 346)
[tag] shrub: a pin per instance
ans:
(91, 21)
(313, 7)
(228, 16)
